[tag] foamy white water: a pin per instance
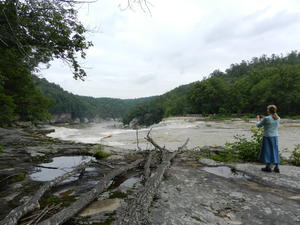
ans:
(172, 132)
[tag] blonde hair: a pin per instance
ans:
(272, 109)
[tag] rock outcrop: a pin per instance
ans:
(189, 194)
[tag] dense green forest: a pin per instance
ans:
(84, 107)
(244, 88)
(171, 103)
(34, 33)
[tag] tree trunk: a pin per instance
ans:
(147, 171)
(13, 217)
(85, 199)
(136, 213)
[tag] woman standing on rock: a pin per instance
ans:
(269, 153)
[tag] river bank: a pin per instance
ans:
(173, 131)
(24, 153)
(193, 191)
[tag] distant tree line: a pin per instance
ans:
(32, 33)
(80, 107)
(249, 86)
(244, 88)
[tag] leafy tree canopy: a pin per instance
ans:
(42, 30)
(34, 32)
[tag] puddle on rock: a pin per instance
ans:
(129, 183)
(58, 167)
(107, 205)
(243, 179)
(225, 171)
(277, 191)
(124, 182)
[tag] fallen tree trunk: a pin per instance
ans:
(137, 212)
(47, 167)
(147, 171)
(85, 199)
(13, 217)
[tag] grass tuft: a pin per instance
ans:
(100, 153)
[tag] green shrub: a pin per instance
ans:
(100, 153)
(244, 149)
(64, 200)
(228, 155)
(283, 160)
(295, 157)
(19, 177)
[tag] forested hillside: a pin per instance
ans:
(84, 107)
(244, 88)
(34, 33)
(174, 102)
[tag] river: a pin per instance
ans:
(172, 132)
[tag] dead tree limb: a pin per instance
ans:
(136, 213)
(137, 139)
(47, 167)
(13, 217)
(147, 170)
(157, 147)
(103, 164)
(85, 199)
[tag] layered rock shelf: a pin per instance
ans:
(191, 192)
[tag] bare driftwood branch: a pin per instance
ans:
(13, 217)
(137, 212)
(104, 164)
(88, 197)
(35, 218)
(137, 139)
(147, 170)
(47, 167)
(150, 140)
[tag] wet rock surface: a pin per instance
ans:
(194, 196)
(193, 191)
(23, 151)
(288, 178)
(107, 205)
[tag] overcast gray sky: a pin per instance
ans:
(138, 55)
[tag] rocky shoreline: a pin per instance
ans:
(189, 194)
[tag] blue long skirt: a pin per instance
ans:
(269, 152)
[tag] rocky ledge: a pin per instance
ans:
(192, 192)
(232, 194)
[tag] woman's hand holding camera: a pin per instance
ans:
(259, 117)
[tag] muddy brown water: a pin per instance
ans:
(172, 132)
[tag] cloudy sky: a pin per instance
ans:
(136, 54)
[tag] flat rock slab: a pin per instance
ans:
(193, 196)
(209, 162)
(289, 176)
(107, 205)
